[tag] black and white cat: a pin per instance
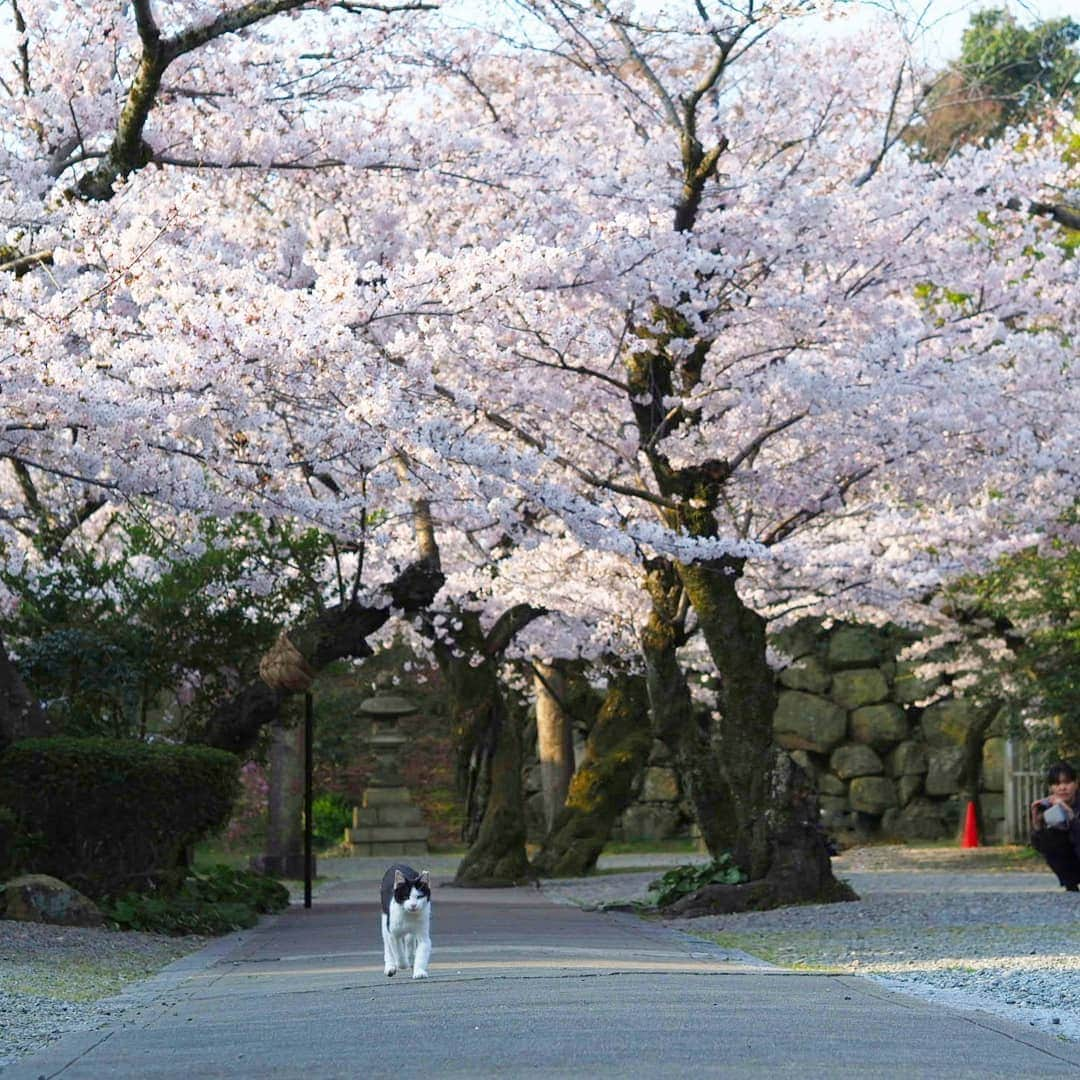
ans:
(406, 920)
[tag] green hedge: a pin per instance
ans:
(111, 816)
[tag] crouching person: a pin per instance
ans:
(1055, 825)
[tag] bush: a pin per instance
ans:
(214, 902)
(115, 816)
(683, 880)
(331, 815)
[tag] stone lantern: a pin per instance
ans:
(386, 822)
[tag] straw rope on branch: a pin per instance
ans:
(283, 667)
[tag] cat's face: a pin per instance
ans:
(412, 893)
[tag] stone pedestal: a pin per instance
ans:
(387, 824)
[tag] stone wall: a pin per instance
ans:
(658, 811)
(885, 767)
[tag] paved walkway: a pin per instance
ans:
(522, 987)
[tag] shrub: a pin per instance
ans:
(683, 880)
(331, 815)
(214, 902)
(115, 815)
(173, 915)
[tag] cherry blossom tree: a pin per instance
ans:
(810, 348)
(658, 292)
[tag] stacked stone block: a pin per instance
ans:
(848, 712)
(388, 823)
(659, 811)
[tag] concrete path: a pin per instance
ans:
(522, 987)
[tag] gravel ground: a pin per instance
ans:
(56, 979)
(981, 929)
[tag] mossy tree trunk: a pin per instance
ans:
(686, 730)
(616, 751)
(741, 728)
(496, 813)
(727, 754)
(735, 786)
(798, 863)
(487, 727)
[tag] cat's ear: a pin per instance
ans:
(399, 878)
(423, 878)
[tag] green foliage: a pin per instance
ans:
(114, 636)
(1006, 75)
(1035, 598)
(1021, 67)
(161, 915)
(331, 815)
(214, 902)
(115, 815)
(683, 880)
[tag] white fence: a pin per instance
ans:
(1024, 783)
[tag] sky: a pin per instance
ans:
(946, 20)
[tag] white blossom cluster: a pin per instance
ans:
(383, 260)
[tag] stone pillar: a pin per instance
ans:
(284, 855)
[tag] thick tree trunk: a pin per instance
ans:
(799, 868)
(616, 751)
(734, 793)
(554, 738)
(20, 715)
(495, 814)
(685, 730)
(743, 729)
(487, 730)
(765, 810)
(338, 633)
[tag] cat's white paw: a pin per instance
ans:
(419, 975)
(388, 970)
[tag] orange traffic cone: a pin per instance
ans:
(971, 829)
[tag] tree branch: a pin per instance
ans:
(339, 632)
(23, 264)
(1069, 216)
(128, 151)
(757, 443)
(508, 625)
(783, 530)
(24, 48)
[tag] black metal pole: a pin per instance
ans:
(308, 726)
